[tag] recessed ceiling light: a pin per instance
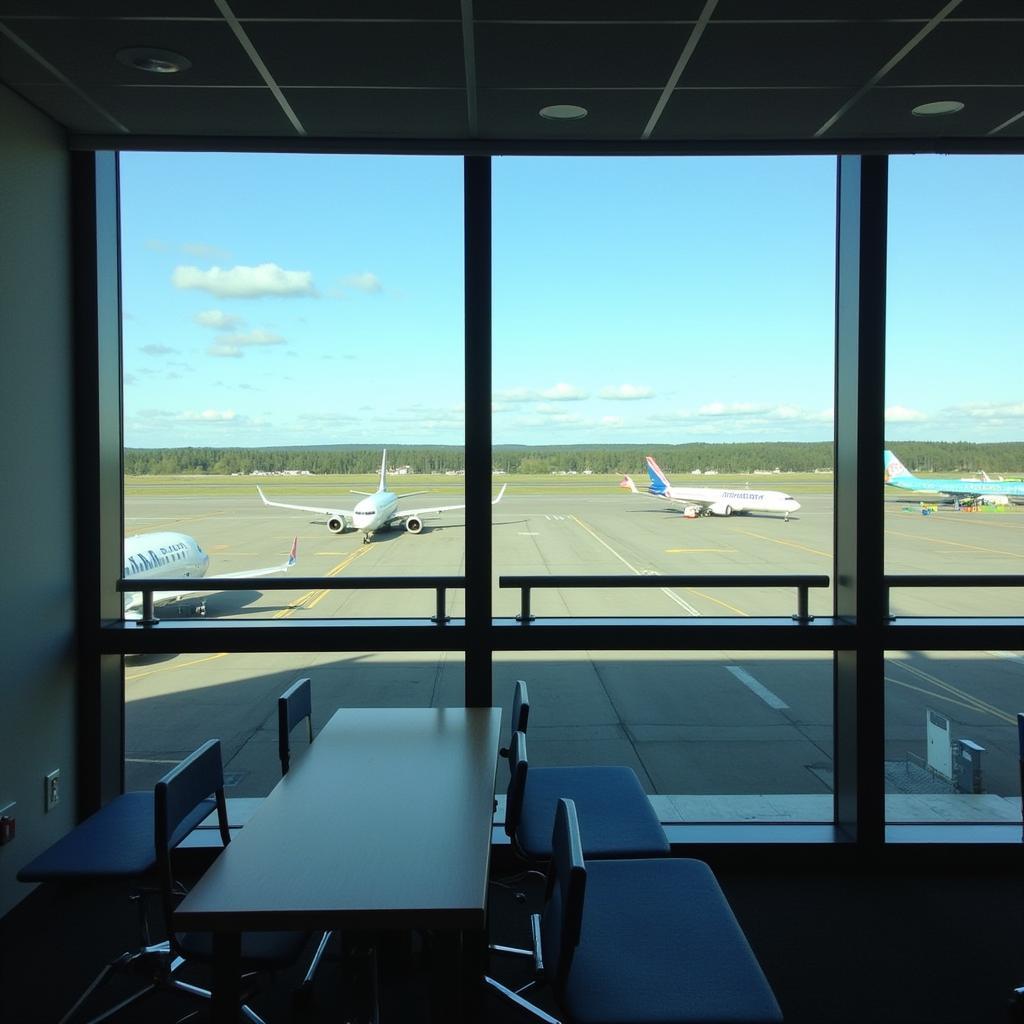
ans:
(563, 112)
(938, 108)
(159, 62)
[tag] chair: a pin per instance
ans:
(520, 715)
(294, 705)
(175, 799)
(640, 941)
(616, 815)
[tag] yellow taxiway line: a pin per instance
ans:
(314, 597)
(966, 699)
(956, 544)
(130, 677)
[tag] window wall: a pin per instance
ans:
(699, 672)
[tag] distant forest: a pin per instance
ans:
(789, 457)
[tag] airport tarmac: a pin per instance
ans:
(713, 735)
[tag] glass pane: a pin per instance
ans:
(663, 376)
(712, 735)
(954, 461)
(293, 326)
(174, 703)
(951, 736)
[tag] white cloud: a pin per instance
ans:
(205, 252)
(563, 393)
(750, 411)
(611, 421)
(365, 282)
(246, 282)
(157, 350)
(232, 345)
(627, 392)
(901, 414)
(512, 395)
(993, 411)
(218, 319)
(209, 415)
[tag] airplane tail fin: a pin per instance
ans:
(293, 555)
(659, 482)
(384, 472)
(893, 467)
(627, 482)
(501, 494)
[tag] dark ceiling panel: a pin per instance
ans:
(381, 113)
(513, 114)
(568, 56)
(171, 111)
(844, 54)
(377, 10)
(83, 50)
(110, 8)
(66, 107)
(427, 54)
(17, 66)
(886, 113)
(592, 10)
(967, 53)
(833, 10)
(747, 113)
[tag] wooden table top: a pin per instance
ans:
(384, 822)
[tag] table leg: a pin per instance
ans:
(473, 967)
(227, 950)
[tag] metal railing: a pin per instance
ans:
(527, 583)
(891, 582)
(148, 588)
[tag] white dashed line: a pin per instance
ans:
(759, 689)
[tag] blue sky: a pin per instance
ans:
(284, 299)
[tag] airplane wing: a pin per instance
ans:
(627, 482)
(347, 512)
(407, 513)
(268, 571)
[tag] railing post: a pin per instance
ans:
(801, 604)
(440, 618)
(524, 608)
(148, 609)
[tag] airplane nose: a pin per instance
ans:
(793, 504)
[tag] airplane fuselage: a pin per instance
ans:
(725, 501)
(153, 556)
(960, 488)
(374, 512)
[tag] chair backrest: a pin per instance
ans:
(562, 919)
(293, 706)
(520, 715)
(181, 799)
(517, 766)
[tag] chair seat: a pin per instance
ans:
(260, 950)
(616, 818)
(660, 945)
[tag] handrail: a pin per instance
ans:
(527, 583)
(149, 587)
(1000, 580)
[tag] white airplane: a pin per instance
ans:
(377, 511)
(712, 501)
(153, 556)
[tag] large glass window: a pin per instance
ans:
(954, 463)
(663, 329)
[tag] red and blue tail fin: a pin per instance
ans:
(659, 482)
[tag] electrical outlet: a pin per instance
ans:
(52, 790)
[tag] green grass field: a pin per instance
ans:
(318, 486)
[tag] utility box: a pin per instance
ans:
(967, 766)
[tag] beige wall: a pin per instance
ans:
(37, 669)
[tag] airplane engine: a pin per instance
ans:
(691, 511)
(414, 524)
(337, 524)
(720, 508)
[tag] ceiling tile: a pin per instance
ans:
(968, 53)
(612, 114)
(592, 10)
(833, 10)
(567, 56)
(747, 114)
(428, 54)
(110, 8)
(83, 49)
(381, 113)
(377, 10)
(18, 66)
(68, 108)
(843, 54)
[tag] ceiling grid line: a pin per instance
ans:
(240, 34)
(469, 59)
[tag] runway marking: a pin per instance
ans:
(522, 534)
(787, 543)
(639, 572)
(756, 688)
(972, 702)
(314, 597)
(182, 519)
(956, 544)
(934, 696)
(724, 604)
(131, 677)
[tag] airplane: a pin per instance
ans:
(972, 492)
(377, 511)
(167, 555)
(712, 501)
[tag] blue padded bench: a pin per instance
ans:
(660, 943)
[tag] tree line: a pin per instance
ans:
(787, 456)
